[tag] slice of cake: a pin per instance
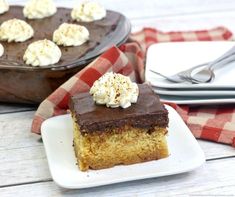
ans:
(109, 135)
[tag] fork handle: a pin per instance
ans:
(228, 54)
(222, 62)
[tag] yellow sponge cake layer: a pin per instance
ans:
(126, 145)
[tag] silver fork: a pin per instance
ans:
(179, 77)
(203, 75)
(207, 73)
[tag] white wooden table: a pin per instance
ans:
(23, 164)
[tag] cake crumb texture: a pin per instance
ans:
(125, 145)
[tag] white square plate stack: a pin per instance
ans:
(171, 58)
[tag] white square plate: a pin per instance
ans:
(57, 134)
(173, 57)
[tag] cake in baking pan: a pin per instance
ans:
(42, 45)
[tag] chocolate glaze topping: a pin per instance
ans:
(146, 113)
(44, 28)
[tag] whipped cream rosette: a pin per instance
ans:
(88, 12)
(70, 35)
(37, 9)
(4, 6)
(42, 53)
(15, 30)
(114, 90)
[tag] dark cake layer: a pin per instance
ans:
(44, 28)
(146, 113)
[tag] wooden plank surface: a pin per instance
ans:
(22, 155)
(215, 178)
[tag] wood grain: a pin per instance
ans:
(22, 155)
(208, 180)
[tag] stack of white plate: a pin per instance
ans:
(171, 58)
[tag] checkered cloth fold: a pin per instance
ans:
(214, 123)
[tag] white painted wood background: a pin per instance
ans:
(23, 165)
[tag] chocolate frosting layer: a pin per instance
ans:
(44, 28)
(146, 113)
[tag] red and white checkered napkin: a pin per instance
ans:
(215, 123)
